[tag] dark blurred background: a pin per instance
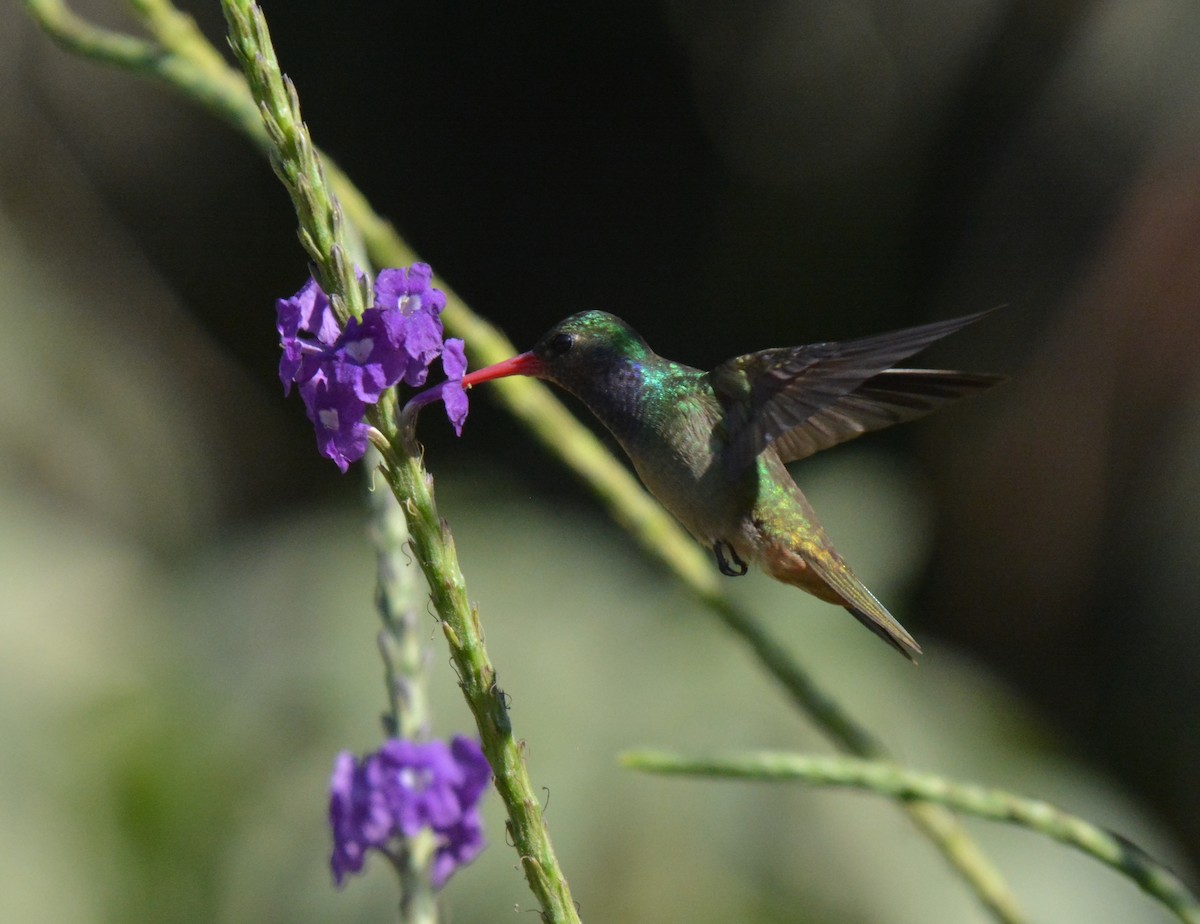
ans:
(727, 178)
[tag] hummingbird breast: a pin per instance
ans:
(668, 420)
(676, 442)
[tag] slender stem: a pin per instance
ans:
(299, 166)
(436, 555)
(296, 160)
(405, 655)
(888, 779)
(406, 658)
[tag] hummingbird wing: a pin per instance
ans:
(770, 393)
(893, 396)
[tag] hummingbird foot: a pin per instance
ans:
(737, 568)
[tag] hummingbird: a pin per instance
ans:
(712, 446)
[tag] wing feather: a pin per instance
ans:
(773, 392)
(892, 397)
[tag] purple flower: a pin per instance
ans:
(450, 392)
(413, 307)
(336, 412)
(342, 372)
(460, 844)
(371, 351)
(307, 312)
(454, 396)
(399, 790)
(357, 814)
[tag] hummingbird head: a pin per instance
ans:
(583, 350)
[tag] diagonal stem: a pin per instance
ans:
(322, 232)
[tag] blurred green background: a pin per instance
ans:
(186, 632)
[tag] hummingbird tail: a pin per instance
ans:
(819, 570)
(891, 632)
(862, 605)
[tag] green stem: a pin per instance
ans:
(435, 552)
(299, 166)
(405, 656)
(296, 160)
(406, 661)
(888, 779)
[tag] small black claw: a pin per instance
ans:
(738, 568)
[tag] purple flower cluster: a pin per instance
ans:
(401, 789)
(341, 372)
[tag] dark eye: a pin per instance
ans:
(560, 344)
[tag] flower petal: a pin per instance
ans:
(337, 414)
(460, 845)
(454, 358)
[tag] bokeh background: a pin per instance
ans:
(186, 632)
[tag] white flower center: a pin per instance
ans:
(413, 779)
(409, 304)
(329, 419)
(359, 350)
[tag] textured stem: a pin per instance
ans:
(888, 779)
(436, 555)
(406, 665)
(299, 166)
(296, 160)
(405, 656)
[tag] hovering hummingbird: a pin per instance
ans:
(711, 446)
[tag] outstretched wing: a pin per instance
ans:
(771, 393)
(893, 396)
